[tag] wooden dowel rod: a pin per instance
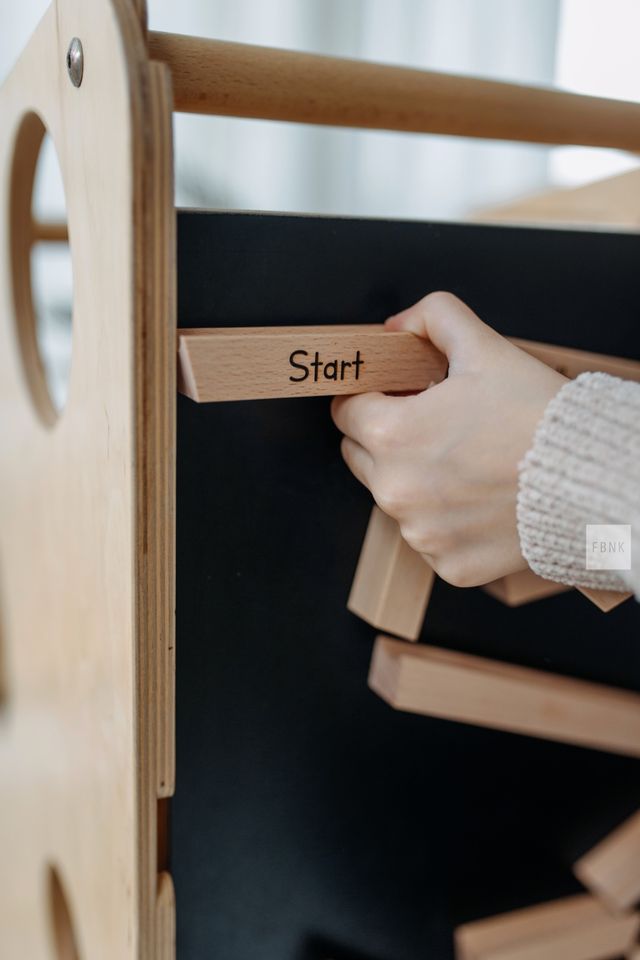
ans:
(241, 80)
(43, 231)
(469, 689)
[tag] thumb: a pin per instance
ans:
(451, 326)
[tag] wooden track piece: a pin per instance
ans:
(523, 587)
(256, 363)
(392, 583)
(604, 202)
(605, 600)
(457, 686)
(574, 928)
(611, 870)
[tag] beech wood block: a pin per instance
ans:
(573, 928)
(605, 600)
(523, 587)
(611, 869)
(470, 689)
(256, 363)
(392, 583)
(572, 362)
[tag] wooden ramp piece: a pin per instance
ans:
(470, 689)
(574, 928)
(392, 583)
(612, 868)
(257, 363)
(605, 600)
(523, 587)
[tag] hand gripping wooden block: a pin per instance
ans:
(574, 928)
(611, 869)
(469, 689)
(392, 583)
(257, 363)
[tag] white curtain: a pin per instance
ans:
(253, 164)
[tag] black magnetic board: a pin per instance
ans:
(310, 820)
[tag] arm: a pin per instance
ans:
(583, 467)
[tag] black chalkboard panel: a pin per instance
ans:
(310, 820)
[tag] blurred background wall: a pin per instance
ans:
(585, 45)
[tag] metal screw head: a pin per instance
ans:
(75, 62)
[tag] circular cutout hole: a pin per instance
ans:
(42, 268)
(64, 938)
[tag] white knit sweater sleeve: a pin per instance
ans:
(583, 468)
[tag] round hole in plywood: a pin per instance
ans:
(63, 934)
(41, 267)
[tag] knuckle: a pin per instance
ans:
(393, 496)
(427, 536)
(380, 432)
(440, 299)
(417, 536)
(457, 570)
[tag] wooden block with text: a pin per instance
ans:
(611, 870)
(470, 689)
(392, 583)
(573, 928)
(259, 363)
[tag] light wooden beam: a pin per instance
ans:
(257, 363)
(523, 587)
(241, 80)
(611, 869)
(612, 202)
(469, 689)
(573, 928)
(392, 583)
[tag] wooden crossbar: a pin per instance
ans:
(243, 80)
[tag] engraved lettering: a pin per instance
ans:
(318, 369)
(299, 366)
(331, 370)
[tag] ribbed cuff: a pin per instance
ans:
(583, 468)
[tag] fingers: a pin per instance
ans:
(365, 416)
(358, 460)
(450, 325)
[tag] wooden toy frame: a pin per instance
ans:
(87, 715)
(87, 731)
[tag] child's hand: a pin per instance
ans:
(444, 463)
